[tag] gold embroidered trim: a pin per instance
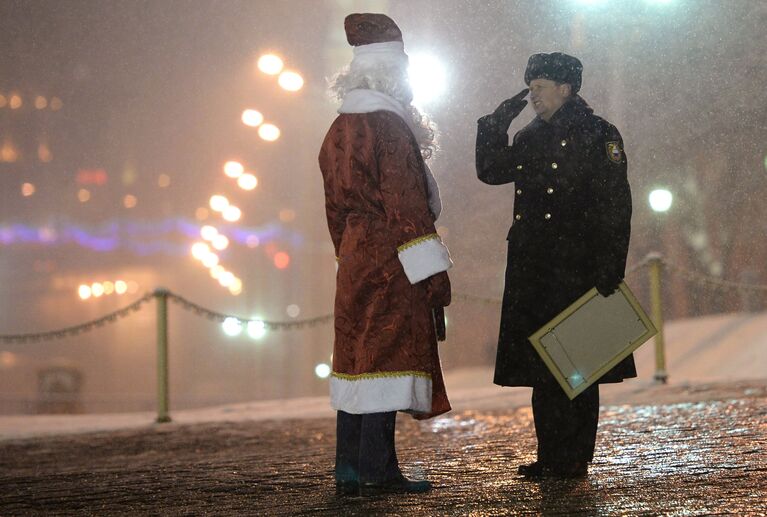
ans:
(418, 241)
(379, 375)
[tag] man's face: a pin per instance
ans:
(547, 96)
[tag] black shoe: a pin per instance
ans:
(398, 485)
(347, 487)
(532, 470)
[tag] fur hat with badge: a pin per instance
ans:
(555, 66)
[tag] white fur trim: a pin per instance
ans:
(373, 394)
(424, 257)
(368, 101)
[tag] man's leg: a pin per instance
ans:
(377, 456)
(566, 429)
(348, 429)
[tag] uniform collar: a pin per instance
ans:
(570, 113)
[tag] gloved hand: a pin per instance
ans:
(508, 110)
(607, 285)
(438, 290)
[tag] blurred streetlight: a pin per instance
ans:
(270, 64)
(208, 232)
(427, 78)
(322, 371)
(247, 181)
(252, 118)
(232, 213)
(219, 203)
(232, 327)
(660, 200)
(220, 242)
(233, 169)
(256, 329)
(200, 250)
(269, 132)
(290, 81)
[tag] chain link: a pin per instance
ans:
(75, 330)
(269, 325)
(693, 276)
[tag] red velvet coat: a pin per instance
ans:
(385, 354)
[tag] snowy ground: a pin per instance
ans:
(706, 358)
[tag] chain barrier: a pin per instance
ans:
(269, 325)
(693, 276)
(220, 317)
(75, 330)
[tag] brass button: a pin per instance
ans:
(549, 190)
(519, 191)
(547, 216)
(518, 217)
(554, 165)
(564, 143)
(519, 167)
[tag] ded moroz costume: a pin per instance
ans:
(381, 205)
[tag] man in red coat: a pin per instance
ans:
(381, 204)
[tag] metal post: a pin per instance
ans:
(656, 270)
(162, 355)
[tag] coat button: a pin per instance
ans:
(564, 143)
(519, 191)
(554, 165)
(518, 217)
(547, 216)
(519, 167)
(549, 190)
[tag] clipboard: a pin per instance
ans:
(591, 336)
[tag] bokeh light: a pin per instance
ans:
(163, 181)
(218, 203)
(293, 310)
(427, 78)
(41, 102)
(210, 260)
(97, 289)
(130, 201)
(270, 64)
(15, 102)
(232, 214)
(269, 132)
(232, 327)
(27, 189)
(281, 260)
(322, 371)
(208, 232)
(252, 118)
(121, 287)
(83, 195)
(247, 181)
(200, 250)
(256, 329)
(84, 291)
(220, 242)
(660, 200)
(290, 81)
(233, 169)
(56, 104)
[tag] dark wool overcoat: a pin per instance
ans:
(572, 214)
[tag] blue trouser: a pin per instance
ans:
(365, 447)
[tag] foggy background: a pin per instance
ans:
(141, 107)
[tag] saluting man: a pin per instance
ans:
(381, 203)
(572, 212)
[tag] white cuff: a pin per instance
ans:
(424, 257)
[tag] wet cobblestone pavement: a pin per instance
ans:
(691, 458)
